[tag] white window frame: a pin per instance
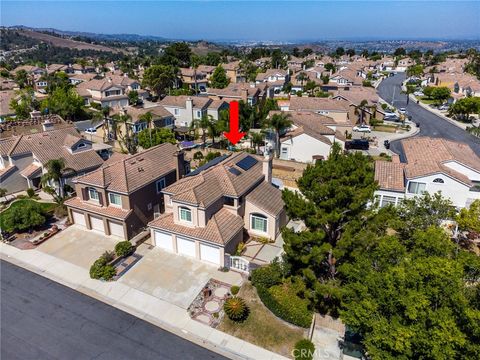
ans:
(185, 210)
(260, 217)
(81, 145)
(417, 185)
(113, 195)
(438, 181)
(95, 198)
(163, 183)
(176, 111)
(388, 200)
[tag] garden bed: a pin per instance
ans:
(207, 307)
(262, 327)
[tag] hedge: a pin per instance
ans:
(123, 248)
(304, 350)
(283, 301)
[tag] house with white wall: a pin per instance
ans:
(432, 165)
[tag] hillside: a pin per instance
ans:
(67, 43)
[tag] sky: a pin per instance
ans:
(254, 20)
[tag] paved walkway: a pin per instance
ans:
(133, 301)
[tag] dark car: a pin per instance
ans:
(386, 143)
(357, 144)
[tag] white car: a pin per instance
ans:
(91, 131)
(418, 93)
(362, 128)
(444, 107)
(402, 110)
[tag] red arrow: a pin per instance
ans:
(234, 135)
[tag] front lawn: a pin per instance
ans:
(262, 328)
(427, 100)
(23, 213)
(386, 128)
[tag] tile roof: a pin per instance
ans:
(217, 181)
(157, 111)
(390, 175)
(235, 90)
(109, 211)
(317, 104)
(180, 101)
(134, 171)
(267, 197)
(426, 156)
(355, 95)
(49, 145)
(30, 170)
(220, 229)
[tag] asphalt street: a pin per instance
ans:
(41, 319)
(430, 124)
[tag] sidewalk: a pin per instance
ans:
(142, 305)
(440, 114)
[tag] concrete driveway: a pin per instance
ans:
(173, 278)
(78, 245)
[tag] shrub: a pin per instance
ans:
(30, 192)
(96, 270)
(21, 218)
(123, 248)
(240, 248)
(284, 302)
(235, 289)
(108, 272)
(267, 276)
(198, 155)
(236, 309)
(304, 350)
(108, 256)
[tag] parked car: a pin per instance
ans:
(386, 143)
(357, 144)
(392, 118)
(444, 107)
(418, 93)
(362, 128)
(402, 110)
(91, 130)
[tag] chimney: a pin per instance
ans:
(47, 125)
(180, 156)
(189, 107)
(267, 166)
(244, 95)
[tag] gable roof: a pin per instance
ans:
(390, 175)
(267, 197)
(199, 102)
(317, 104)
(134, 171)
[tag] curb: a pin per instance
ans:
(182, 333)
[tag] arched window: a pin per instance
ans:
(81, 145)
(438, 181)
(258, 222)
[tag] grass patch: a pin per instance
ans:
(262, 328)
(426, 100)
(385, 128)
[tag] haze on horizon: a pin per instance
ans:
(260, 21)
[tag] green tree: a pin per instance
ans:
(148, 138)
(219, 79)
(22, 78)
(441, 94)
(463, 108)
(278, 123)
(400, 52)
(159, 78)
(124, 134)
(133, 97)
(56, 173)
(23, 103)
(21, 218)
(178, 53)
(3, 193)
(415, 70)
(64, 102)
(428, 91)
(340, 51)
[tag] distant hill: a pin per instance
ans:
(96, 36)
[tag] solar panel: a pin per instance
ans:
(247, 162)
(234, 171)
(208, 165)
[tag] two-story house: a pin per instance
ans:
(432, 165)
(121, 197)
(208, 212)
(194, 77)
(276, 79)
(23, 158)
(187, 109)
(338, 110)
(248, 93)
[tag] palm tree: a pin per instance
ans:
(127, 138)
(215, 128)
(202, 123)
(195, 61)
(257, 139)
(301, 77)
(147, 117)
(56, 171)
(362, 107)
(278, 123)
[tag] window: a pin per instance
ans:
(284, 154)
(115, 199)
(258, 223)
(160, 185)
(199, 114)
(176, 111)
(438, 181)
(81, 145)
(388, 200)
(93, 194)
(185, 214)
(229, 201)
(416, 187)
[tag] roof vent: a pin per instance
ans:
(140, 169)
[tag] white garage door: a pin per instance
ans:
(210, 254)
(78, 218)
(186, 247)
(163, 241)
(116, 229)
(97, 223)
